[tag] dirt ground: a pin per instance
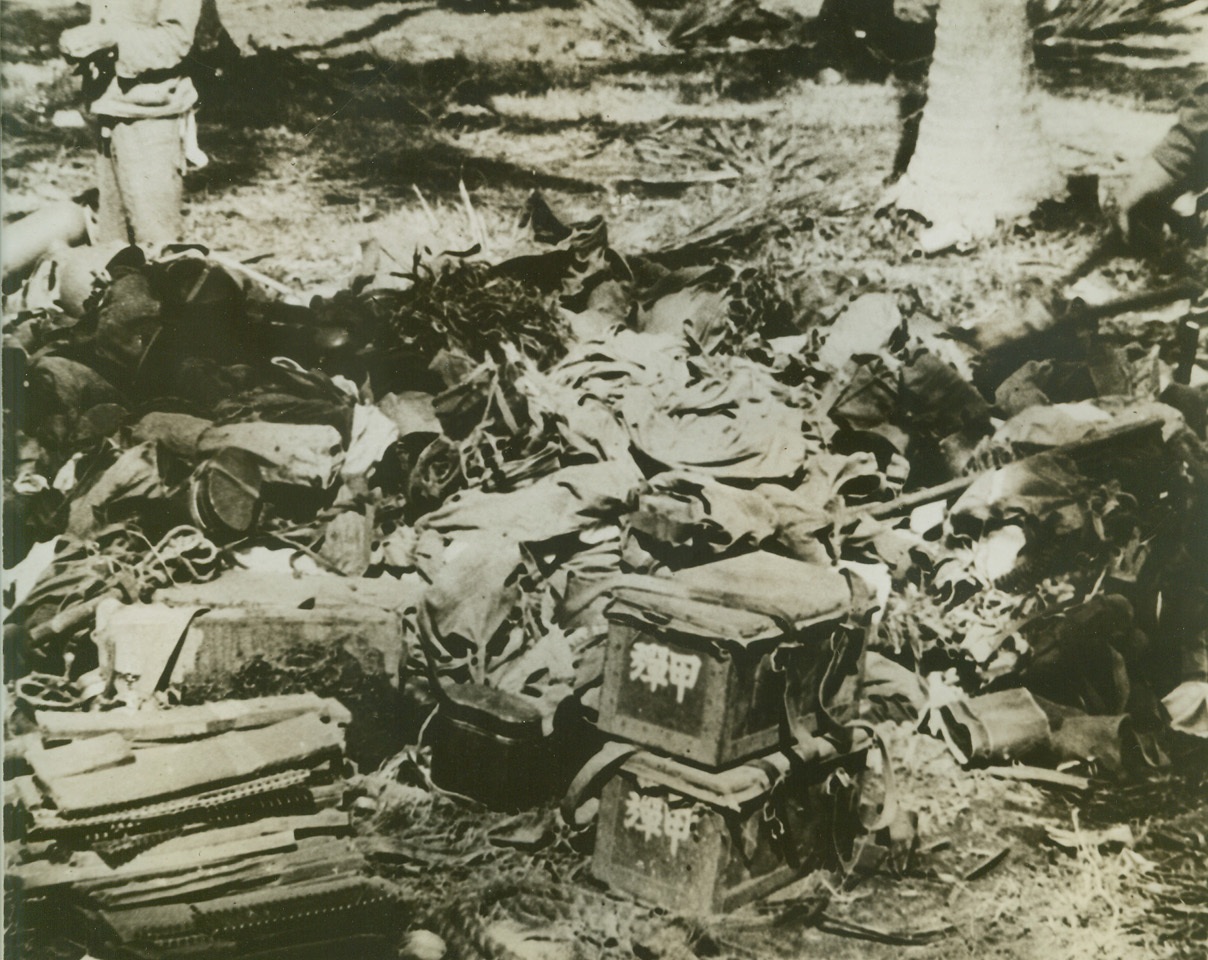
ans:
(348, 121)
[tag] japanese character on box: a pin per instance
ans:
(657, 667)
(652, 816)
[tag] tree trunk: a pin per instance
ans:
(981, 156)
(213, 49)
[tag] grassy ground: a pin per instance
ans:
(348, 121)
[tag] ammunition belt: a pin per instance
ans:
(46, 820)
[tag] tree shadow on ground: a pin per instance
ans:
(370, 119)
(31, 33)
(468, 7)
(279, 88)
(344, 4)
(389, 161)
(26, 144)
(363, 34)
(1158, 87)
(238, 157)
(379, 121)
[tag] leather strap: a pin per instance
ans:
(889, 807)
(431, 657)
(589, 778)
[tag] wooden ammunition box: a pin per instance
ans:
(251, 614)
(697, 842)
(689, 667)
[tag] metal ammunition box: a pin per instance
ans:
(488, 744)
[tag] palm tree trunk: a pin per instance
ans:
(981, 155)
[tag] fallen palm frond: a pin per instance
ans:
(622, 17)
(1166, 33)
(741, 225)
(462, 305)
(1176, 883)
(711, 22)
(1101, 20)
(726, 151)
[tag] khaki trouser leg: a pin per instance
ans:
(147, 159)
(110, 215)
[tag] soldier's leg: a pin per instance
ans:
(149, 161)
(111, 214)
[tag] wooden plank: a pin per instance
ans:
(180, 723)
(1093, 443)
(160, 773)
(82, 756)
(197, 840)
(1040, 775)
(86, 867)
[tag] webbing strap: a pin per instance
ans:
(889, 806)
(587, 781)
